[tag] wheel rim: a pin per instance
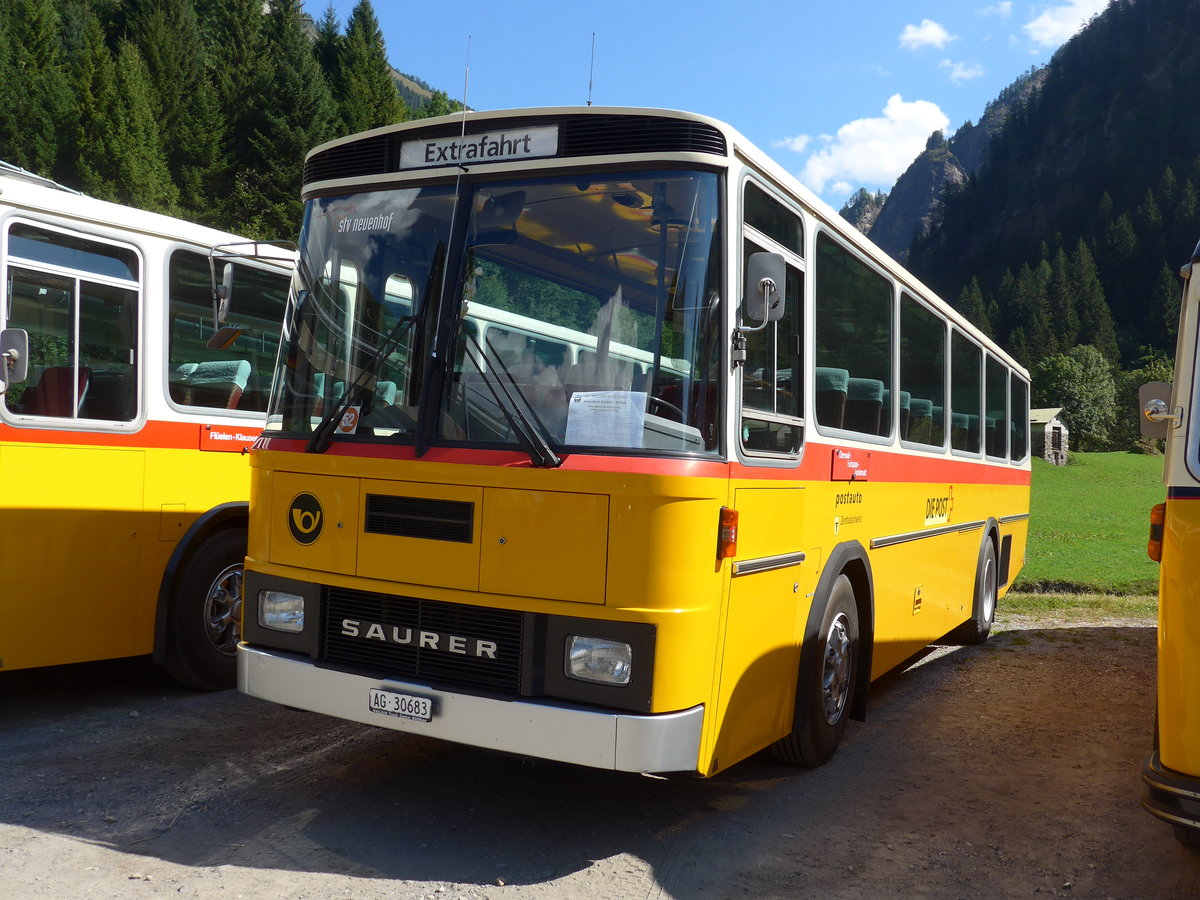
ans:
(223, 610)
(988, 586)
(836, 669)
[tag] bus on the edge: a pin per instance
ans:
(1172, 770)
(596, 437)
(124, 417)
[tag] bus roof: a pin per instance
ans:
(23, 190)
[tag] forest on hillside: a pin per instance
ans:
(203, 109)
(1067, 243)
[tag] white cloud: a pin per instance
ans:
(1057, 23)
(1000, 9)
(928, 34)
(797, 144)
(961, 71)
(874, 151)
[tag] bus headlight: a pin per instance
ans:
(599, 660)
(281, 611)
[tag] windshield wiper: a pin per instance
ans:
(531, 435)
(323, 433)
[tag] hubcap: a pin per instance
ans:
(988, 600)
(223, 610)
(836, 669)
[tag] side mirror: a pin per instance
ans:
(14, 349)
(1157, 418)
(222, 295)
(766, 275)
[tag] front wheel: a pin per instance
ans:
(204, 619)
(826, 686)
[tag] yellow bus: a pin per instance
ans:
(597, 438)
(124, 419)
(1171, 772)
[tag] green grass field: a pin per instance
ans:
(1088, 525)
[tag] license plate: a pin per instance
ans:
(405, 706)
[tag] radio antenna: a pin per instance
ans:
(466, 83)
(592, 69)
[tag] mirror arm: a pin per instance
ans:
(1157, 411)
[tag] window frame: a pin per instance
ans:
(795, 261)
(78, 276)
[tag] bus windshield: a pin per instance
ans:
(581, 312)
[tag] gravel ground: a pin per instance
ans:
(1008, 770)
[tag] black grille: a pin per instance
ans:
(367, 156)
(639, 134)
(578, 136)
(378, 649)
(420, 517)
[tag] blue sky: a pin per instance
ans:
(842, 94)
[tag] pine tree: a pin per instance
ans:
(328, 47)
(238, 66)
(1168, 293)
(1096, 326)
(1061, 292)
(95, 169)
(1031, 308)
(40, 101)
(143, 178)
(169, 39)
(367, 95)
(295, 112)
(971, 305)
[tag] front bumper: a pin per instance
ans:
(1172, 796)
(669, 742)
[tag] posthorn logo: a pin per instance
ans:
(305, 518)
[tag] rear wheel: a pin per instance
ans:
(204, 620)
(826, 686)
(983, 608)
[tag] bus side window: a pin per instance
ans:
(966, 377)
(922, 373)
(1018, 446)
(854, 335)
(995, 437)
(82, 326)
(238, 374)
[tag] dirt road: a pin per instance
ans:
(1009, 770)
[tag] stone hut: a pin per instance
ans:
(1048, 435)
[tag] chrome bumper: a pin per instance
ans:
(625, 742)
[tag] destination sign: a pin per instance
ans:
(493, 146)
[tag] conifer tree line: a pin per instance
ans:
(202, 109)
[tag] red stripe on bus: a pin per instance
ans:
(885, 465)
(153, 435)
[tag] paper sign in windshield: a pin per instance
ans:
(606, 418)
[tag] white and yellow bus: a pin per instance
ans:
(123, 424)
(1172, 770)
(596, 437)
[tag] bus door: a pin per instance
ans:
(72, 497)
(767, 601)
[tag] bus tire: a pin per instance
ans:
(826, 691)
(205, 613)
(983, 605)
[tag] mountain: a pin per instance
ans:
(862, 209)
(913, 202)
(1099, 164)
(913, 205)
